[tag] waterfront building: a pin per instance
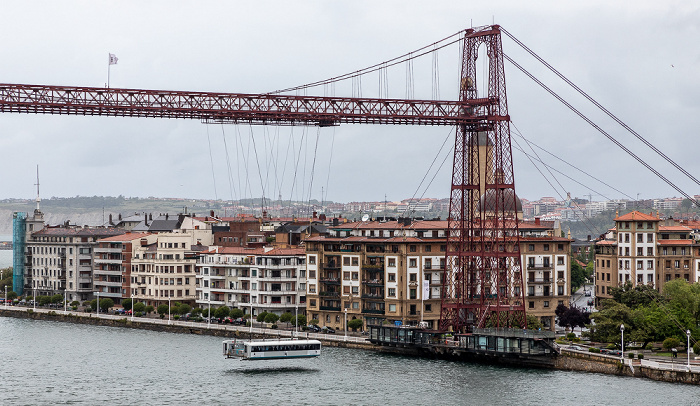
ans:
(392, 272)
(60, 259)
(644, 249)
(113, 256)
(164, 269)
(256, 280)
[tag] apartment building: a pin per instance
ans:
(393, 272)
(112, 272)
(643, 249)
(255, 280)
(164, 268)
(60, 260)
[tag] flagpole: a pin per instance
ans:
(109, 65)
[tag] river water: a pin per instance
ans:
(49, 363)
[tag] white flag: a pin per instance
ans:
(113, 59)
(426, 289)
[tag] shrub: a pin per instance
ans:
(640, 356)
(696, 348)
(630, 355)
(570, 336)
(671, 342)
(176, 316)
(611, 346)
(649, 346)
(273, 326)
(138, 314)
(594, 349)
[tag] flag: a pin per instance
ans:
(426, 289)
(113, 59)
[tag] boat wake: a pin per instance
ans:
(272, 370)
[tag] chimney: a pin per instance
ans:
(322, 217)
(335, 221)
(211, 213)
(166, 216)
(120, 217)
(537, 221)
(314, 214)
(145, 220)
(150, 217)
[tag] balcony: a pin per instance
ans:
(114, 261)
(373, 267)
(372, 311)
(373, 297)
(329, 294)
(434, 267)
(330, 308)
(102, 250)
(540, 280)
(331, 281)
(373, 282)
(539, 267)
(333, 266)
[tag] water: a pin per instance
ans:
(48, 363)
(5, 255)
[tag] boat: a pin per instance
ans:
(253, 350)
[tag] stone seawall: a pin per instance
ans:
(606, 364)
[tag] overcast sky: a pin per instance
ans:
(639, 59)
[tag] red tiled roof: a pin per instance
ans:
(674, 228)
(606, 242)
(636, 216)
(675, 242)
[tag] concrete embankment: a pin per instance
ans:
(568, 359)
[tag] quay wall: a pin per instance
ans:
(567, 360)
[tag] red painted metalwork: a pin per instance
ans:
(483, 286)
(236, 108)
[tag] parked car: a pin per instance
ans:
(588, 293)
(577, 348)
(327, 330)
(314, 328)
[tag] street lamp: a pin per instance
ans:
(34, 299)
(132, 305)
(168, 309)
(5, 296)
(98, 303)
(687, 332)
(622, 341)
(209, 311)
(346, 324)
(65, 302)
(296, 316)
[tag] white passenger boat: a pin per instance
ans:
(271, 349)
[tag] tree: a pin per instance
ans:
(139, 307)
(286, 317)
(578, 276)
(300, 320)
(533, 323)
(44, 300)
(162, 310)
(572, 317)
(196, 311)
(314, 322)
(354, 324)
(149, 309)
(271, 318)
(57, 298)
(126, 304)
(106, 304)
(634, 297)
(261, 317)
(221, 312)
(236, 313)
(11, 295)
(182, 308)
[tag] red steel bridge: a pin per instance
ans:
(483, 285)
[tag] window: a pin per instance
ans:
(650, 252)
(640, 237)
(355, 276)
(531, 305)
(560, 290)
(640, 278)
(312, 303)
(355, 290)
(640, 251)
(428, 308)
(312, 274)
(392, 292)
(428, 263)
(392, 277)
(355, 261)
(346, 261)
(412, 248)
(355, 305)
(560, 275)
(312, 259)
(392, 262)
(312, 288)
(443, 248)
(412, 294)
(650, 278)
(412, 263)
(392, 308)
(412, 277)
(546, 247)
(627, 237)
(560, 247)
(650, 264)
(650, 237)
(346, 289)
(428, 248)
(546, 303)
(531, 247)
